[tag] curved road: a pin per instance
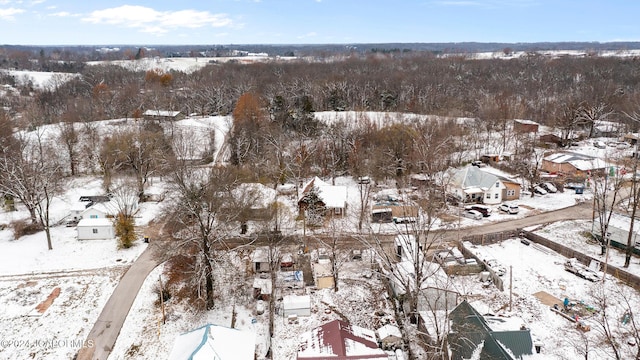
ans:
(105, 331)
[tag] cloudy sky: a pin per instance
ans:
(94, 22)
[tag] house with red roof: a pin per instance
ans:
(340, 340)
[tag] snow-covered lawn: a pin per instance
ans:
(85, 272)
(535, 269)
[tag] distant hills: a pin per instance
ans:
(306, 49)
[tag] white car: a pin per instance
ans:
(549, 187)
(472, 214)
(539, 190)
(510, 208)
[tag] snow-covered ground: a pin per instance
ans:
(185, 64)
(87, 272)
(535, 269)
(83, 274)
(40, 79)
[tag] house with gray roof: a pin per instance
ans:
(573, 164)
(471, 184)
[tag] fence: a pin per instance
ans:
(494, 238)
(488, 239)
(622, 275)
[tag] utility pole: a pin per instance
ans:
(162, 300)
(510, 286)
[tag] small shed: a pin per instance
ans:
(260, 259)
(95, 229)
(323, 275)
(262, 289)
(525, 126)
(389, 337)
(299, 305)
(381, 214)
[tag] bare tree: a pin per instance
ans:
(203, 208)
(70, 139)
(140, 151)
(34, 177)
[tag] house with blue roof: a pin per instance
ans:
(214, 342)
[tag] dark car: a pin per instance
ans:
(483, 209)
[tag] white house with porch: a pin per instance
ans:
(474, 185)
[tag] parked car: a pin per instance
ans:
(364, 180)
(549, 187)
(599, 144)
(472, 214)
(539, 190)
(478, 163)
(483, 209)
(71, 222)
(510, 208)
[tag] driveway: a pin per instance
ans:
(105, 331)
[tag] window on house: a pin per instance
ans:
(495, 196)
(95, 231)
(511, 192)
(497, 184)
(93, 217)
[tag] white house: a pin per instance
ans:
(95, 229)
(214, 342)
(95, 212)
(474, 185)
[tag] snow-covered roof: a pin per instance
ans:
(388, 330)
(260, 196)
(214, 342)
(341, 340)
(579, 161)
(161, 113)
(404, 274)
(526, 122)
(264, 285)
(333, 196)
(260, 254)
(88, 222)
(473, 177)
(296, 302)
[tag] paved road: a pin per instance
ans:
(106, 329)
(581, 211)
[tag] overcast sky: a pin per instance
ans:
(156, 22)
